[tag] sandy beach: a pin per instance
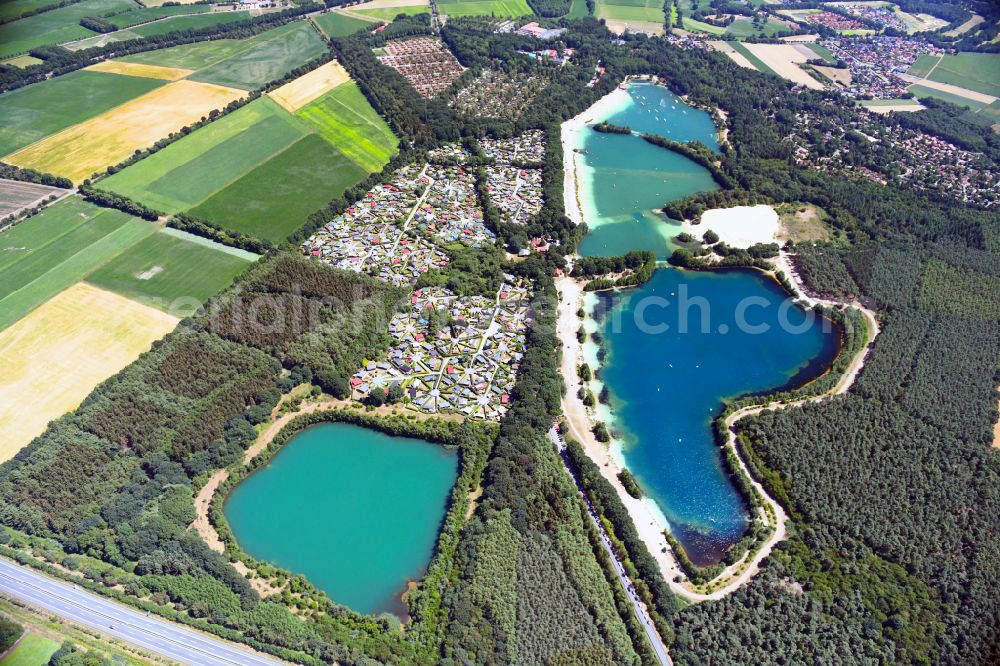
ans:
(739, 226)
(649, 520)
(571, 130)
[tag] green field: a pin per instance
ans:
(34, 112)
(921, 91)
(58, 25)
(974, 71)
(170, 272)
(631, 10)
(137, 16)
(505, 8)
(21, 61)
(822, 52)
(345, 118)
(743, 27)
(335, 24)
(754, 60)
(189, 171)
(262, 170)
(923, 65)
(389, 13)
(192, 56)
(55, 249)
(274, 199)
(269, 56)
(692, 25)
(192, 22)
(10, 9)
(578, 9)
(34, 650)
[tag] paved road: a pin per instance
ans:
(154, 634)
(640, 611)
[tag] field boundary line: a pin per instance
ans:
(306, 131)
(82, 278)
(85, 120)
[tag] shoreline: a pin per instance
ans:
(649, 520)
(569, 133)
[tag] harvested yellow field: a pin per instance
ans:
(296, 94)
(735, 56)
(56, 355)
(80, 150)
(784, 59)
(136, 69)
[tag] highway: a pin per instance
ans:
(640, 610)
(154, 634)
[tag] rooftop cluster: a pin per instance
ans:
(495, 94)
(833, 21)
(876, 63)
(883, 15)
(453, 354)
(425, 62)
(527, 148)
(374, 235)
(890, 154)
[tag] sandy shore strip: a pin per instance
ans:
(649, 520)
(572, 160)
(739, 226)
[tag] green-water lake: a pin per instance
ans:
(354, 510)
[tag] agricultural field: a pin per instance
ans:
(645, 15)
(60, 246)
(339, 24)
(783, 60)
(161, 27)
(135, 69)
(267, 57)
(137, 16)
(264, 168)
(345, 119)
(502, 8)
(387, 14)
(11, 9)
(274, 199)
(58, 25)
(16, 194)
(188, 171)
(81, 150)
(974, 71)
(295, 94)
(923, 91)
(386, 10)
(172, 271)
(56, 355)
(34, 112)
(194, 56)
(21, 61)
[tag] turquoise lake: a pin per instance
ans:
(666, 387)
(354, 510)
(625, 180)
